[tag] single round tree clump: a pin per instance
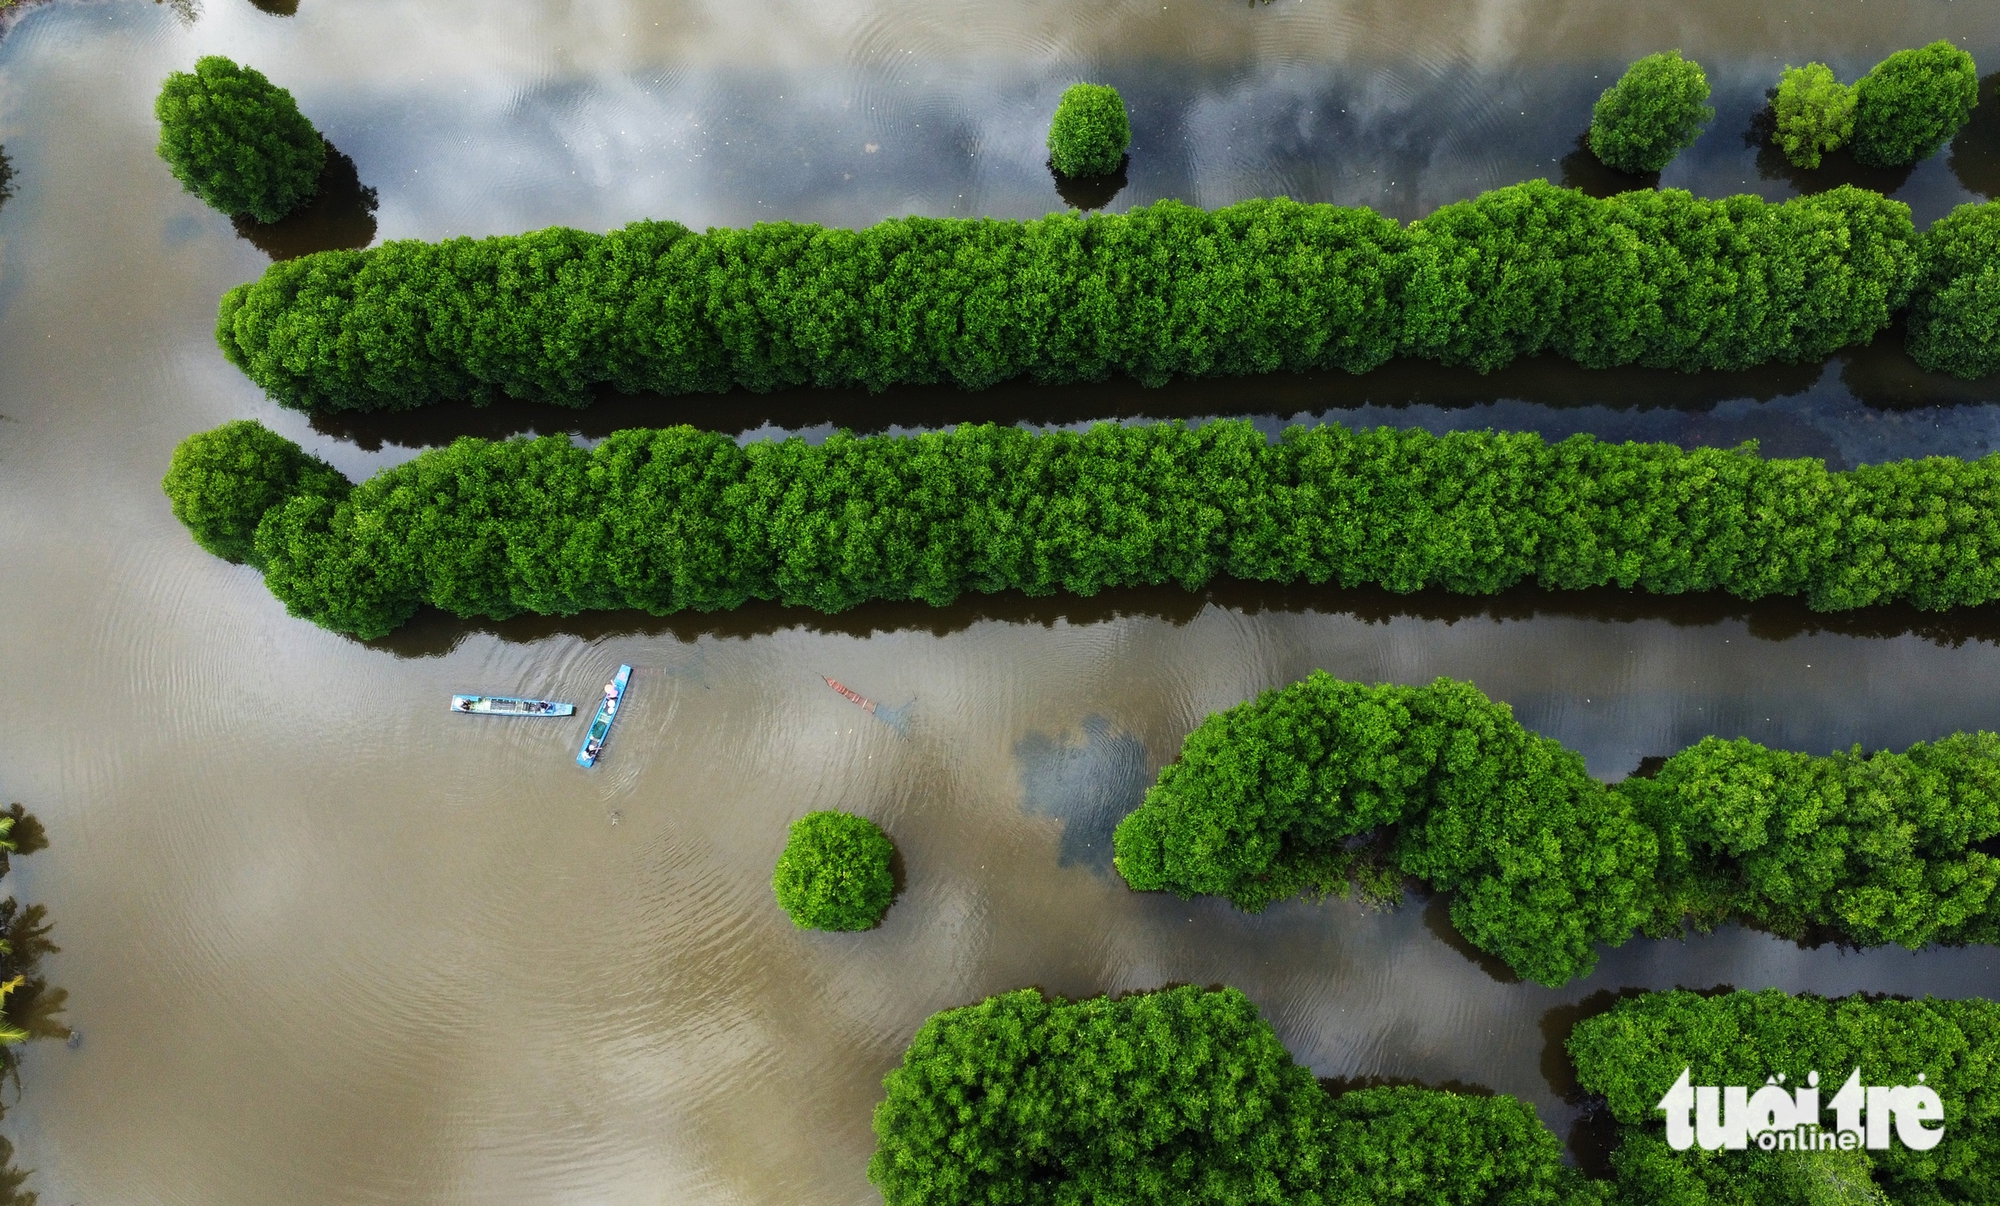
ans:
(238, 141)
(834, 873)
(1090, 132)
(1654, 112)
(1912, 103)
(222, 481)
(1814, 114)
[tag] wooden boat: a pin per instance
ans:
(852, 696)
(896, 718)
(504, 705)
(607, 711)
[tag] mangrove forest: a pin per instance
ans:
(676, 519)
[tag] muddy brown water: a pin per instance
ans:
(327, 943)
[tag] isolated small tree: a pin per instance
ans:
(1912, 103)
(1090, 132)
(238, 141)
(1814, 112)
(222, 481)
(1654, 111)
(834, 873)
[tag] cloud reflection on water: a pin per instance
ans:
(1089, 787)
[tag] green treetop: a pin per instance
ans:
(1089, 133)
(222, 481)
(1912, 103)
(1653, 113)
(1954, 319)
(1815, 113)
(238, 141)
(834, 873)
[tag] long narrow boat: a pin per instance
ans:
(607, 711)
(505, 705)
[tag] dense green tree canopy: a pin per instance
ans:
(222, 481)
(1954, 320)
(1089, 133)
(1631, 1055)
(1663, 279)
(1178, 1098)
(238, 141)
(1912, 103)
(1288, 792)
(1184, 1097)
(1654, 112)
(834, 873)
(1814, 113)
(677, 519)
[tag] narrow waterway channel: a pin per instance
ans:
(327, 943)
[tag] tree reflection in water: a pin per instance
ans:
(1975, 151)
(1091, 192)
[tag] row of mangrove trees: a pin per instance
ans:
(1186, 1095)
(672, 519)
(1325, 783)
(1656, 278)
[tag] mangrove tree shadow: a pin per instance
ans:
(433, 633)
(1556, 1027)
(1592, 1138)
(1437, 919)
(1090, 788)
(1582, 169)
(1835, 167)
(1091, 192)
(1882, 375)
(340, 215)
(1540, 380)
(1975, 151)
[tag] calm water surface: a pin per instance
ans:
(327, 943)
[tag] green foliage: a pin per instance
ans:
(1649, 1173)
(676, 519)
(238, 141)
(1662, 279)
(1184, 1097)
(1272, 796)
(834, 873)
(223, 481)
(1954, 319)
(29, 1007)
(1089, 133)
(1815, 113)
(1911, 104)
(1438, 1148)
(1632, 1054)
(1654, 112)
(1878, 848)
(1288, 792)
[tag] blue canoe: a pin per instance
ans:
(503, 705)
(607, 711)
